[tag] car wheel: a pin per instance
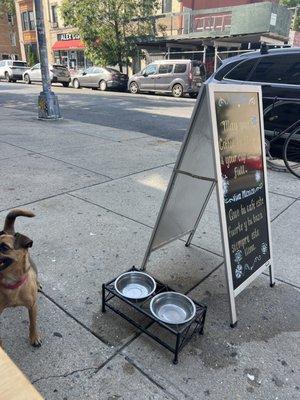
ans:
(177, 90)
(102, 86)
(133, 87)
(193, 95)
(7, 77)
(27, 79)
(65, 84)
(76, 84)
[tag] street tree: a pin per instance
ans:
(110, 29)
(290, 3)
(7, 5)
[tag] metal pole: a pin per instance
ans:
(190, 238)
(216, 58)
(204, 54)
(48, 107)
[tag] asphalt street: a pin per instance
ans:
(156, 115)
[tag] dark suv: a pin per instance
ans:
(278, 73)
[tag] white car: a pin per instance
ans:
(58, 74)
(12, 70)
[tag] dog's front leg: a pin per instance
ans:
(34, 337)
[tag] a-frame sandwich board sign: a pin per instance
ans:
(224, 147)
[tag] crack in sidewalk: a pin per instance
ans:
(65, 375)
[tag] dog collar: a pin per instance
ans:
(15, 285)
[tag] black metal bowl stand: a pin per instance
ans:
(181, 334)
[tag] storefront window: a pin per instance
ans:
(73, 59)
(80, 60)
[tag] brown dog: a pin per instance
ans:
(18, 273)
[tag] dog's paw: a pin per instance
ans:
(39, 286)
(35, 341)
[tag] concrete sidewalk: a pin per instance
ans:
(96, 192)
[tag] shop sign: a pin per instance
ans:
(68, 36)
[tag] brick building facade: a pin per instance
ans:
(9, 38)
(27, 33)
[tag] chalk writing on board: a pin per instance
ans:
(243, 183)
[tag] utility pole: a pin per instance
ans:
(48, 107)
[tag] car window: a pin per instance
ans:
(89, 70)
(179, 68)
(278, 69)
(198, 70)
(20, 64)
(112, 70)
(242, 71)
(9, 63)
(98, 70)
(151, 69)
(36, 66)
(2, 63)
(223, 70)
(282, 116)
(165, 68)
(58, 66)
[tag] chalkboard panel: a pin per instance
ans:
(243, 182)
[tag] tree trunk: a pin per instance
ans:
(120, 62)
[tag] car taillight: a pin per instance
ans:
(190, 76)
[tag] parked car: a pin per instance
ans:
(100, 78)
(171, 76)
(278, 73)
(58, 74)
(12, 70)
(276, 70)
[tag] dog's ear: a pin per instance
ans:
(22, 241)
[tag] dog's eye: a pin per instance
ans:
(4, 247)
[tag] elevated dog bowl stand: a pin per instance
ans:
(180, 334)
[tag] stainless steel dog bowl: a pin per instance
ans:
(172, 308)
(135, 285)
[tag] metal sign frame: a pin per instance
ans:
(213, 176)
(212, 89)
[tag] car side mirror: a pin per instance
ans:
(145, 74)
(84, 73)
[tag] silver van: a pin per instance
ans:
(171, 76)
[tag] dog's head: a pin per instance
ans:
(13, 250)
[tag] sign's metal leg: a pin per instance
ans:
(146, 256)
(175, 360)
(103, 298)
(191, 236)
(233, 312)
(272, 279)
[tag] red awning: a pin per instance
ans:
(68, 45)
